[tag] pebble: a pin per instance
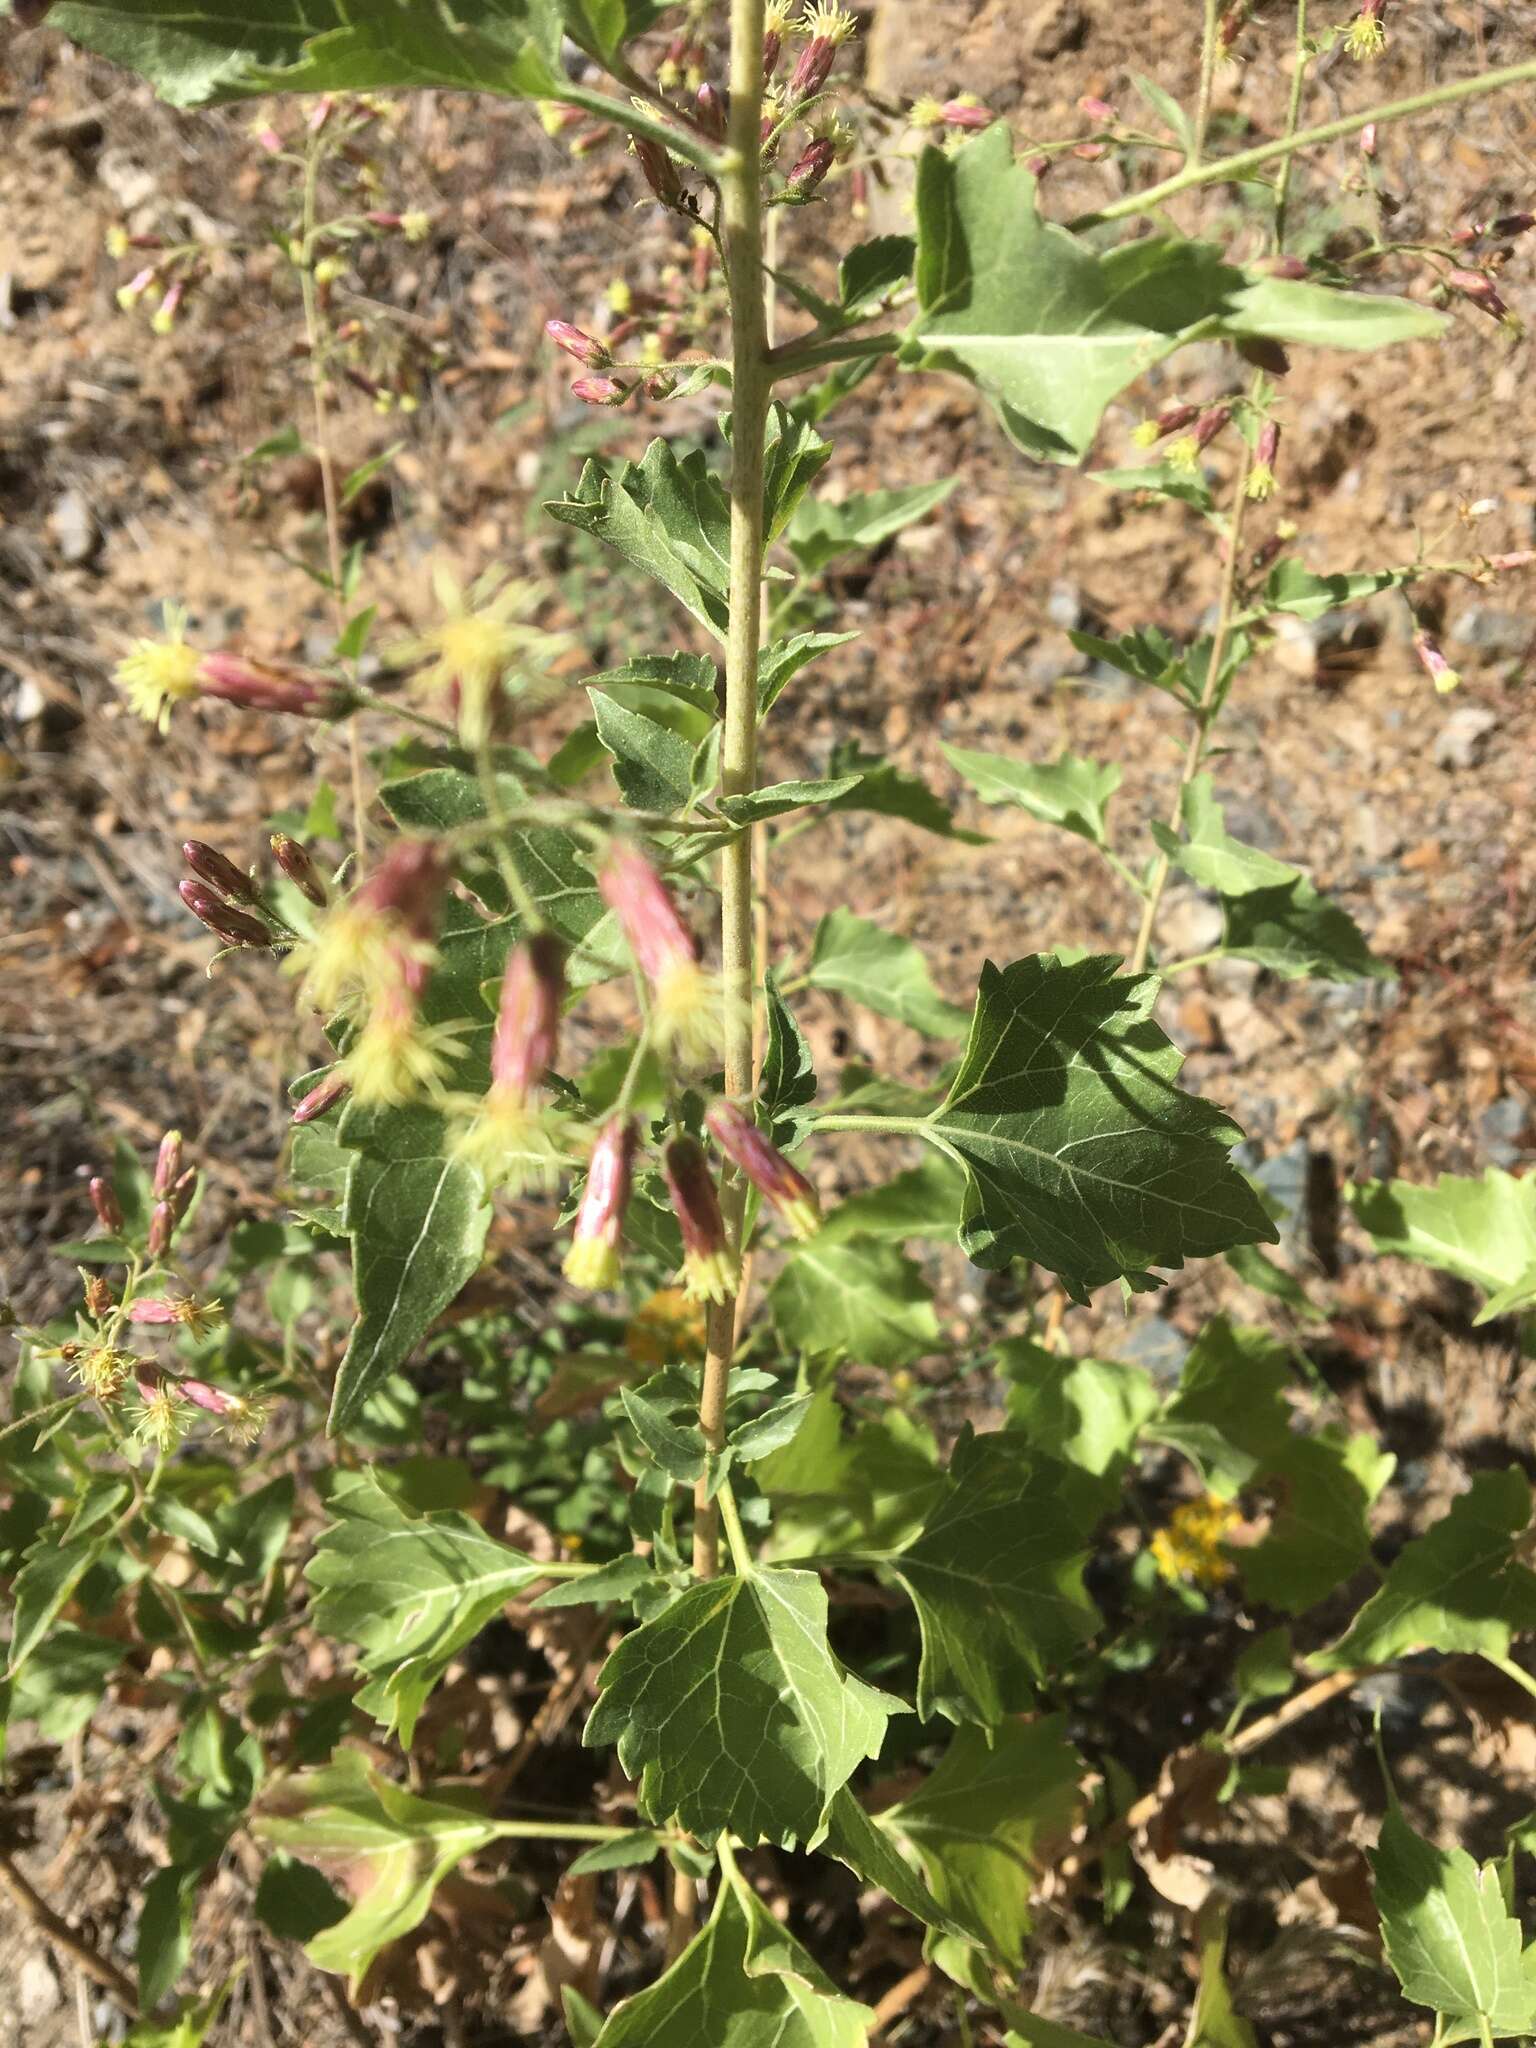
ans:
(1498, 634)
(73, 526)
(1502, 1126)
(1155, 1343)
(1058, 26)
(37, 1990)
(1463, 736)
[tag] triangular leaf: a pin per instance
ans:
(1447, 1932)
(857, 1300)
(854, 958)
(1071, 792)
(1480, 1230)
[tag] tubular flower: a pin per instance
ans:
(826, 27)
(483, 633)
(168, 1163)
(109, 1210)
(220, 873)
(782, 1186)
(197, 1316)
(1169, 421)
(1365, 36)
(1190, 1546)
(102, 1370)
(593, 1259)
(688, 1009)
(234, 927)
(710, 1272)
(156, 674)
(505, 1136)
(1261, 478)
(395, 1057)
(383, 930)
(1436, 667)
(161, 1417)
(242, 1418)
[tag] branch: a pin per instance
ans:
(64, 1938)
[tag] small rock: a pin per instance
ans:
(73, 526)
(37, 1990)
(1286, 1178)
(27, 701)
(1463, 736)
(1058, 26)
(1190, 923)
(1502, 1126)
(1064, 606)
(1498, 634)
(1155, 1343)
(1249, 1034)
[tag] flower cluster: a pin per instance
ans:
(157, 674)
(1190, 1546)
(484, 637)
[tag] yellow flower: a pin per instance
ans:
(1365, 37)
(1184, 454)
(117, 242)
(245, 1420)
(592, 1263)
(1190, 1546)
(415, 226)
(514, 1147)
(161, 1418)
(102, 1370)
(354, 950)
(482, 634)
(667, 1329)
(155, 674)
(621, 299)
(927, 112)
(1145, 435)
(1261, 481)
(396, 1057)
(826, 20)
(690, 1012)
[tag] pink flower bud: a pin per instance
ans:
(781, 1185)
(162, 1224)
(408, 884)
(383, 220)
(593, 1259)
(813, 70)
(1091, 152)
(1480, 290)
(653, 927)
(168, 1163)
(1285, 266)
(1096, 109)
(151, 1311)
(711, 110)
(812, 165)
(270, 686)
(181, 1192)
(109, 1211)
(1436, 667)
(219, 871)
(233, 926)
(1269, 444)
(1522, 558)
(294, 861)
(709, 1269)
(600, 390)
(576, 343)
(963, 114)
(1210, 424)
(320, 1098)
(1368, 139)
(659, 169)
(267, 138)
(1173, 419)
(1037, 166)
(527, 1036)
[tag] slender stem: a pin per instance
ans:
(30, 1902)
(892, 1126)
(735, 1535)
(1207, 83)
(1309, 138)
(741, 219)
(1292, 119)
(794, 357)
(370, 700)
(691, 148)
(1194, 754)
(559, 1831)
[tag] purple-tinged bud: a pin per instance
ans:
(152, 1311)
(1230, 25)
(382, 219)
(1480, 290)
(1368, 139)
(1471, 233)
(98, 1297)
(526, 1041)
(1091, 152)
(1269, 443)
(109, 1211)
(593, 1259)
(168, 1164)
(1508, 225)
(600, 390)
(659, 169)
(712, 111)
(181, 1192)
(812, 165)
(233, 926)
(966, 113)
(1521, 558)
(321, 112)
(1290, 267)
(267, 138)
(1261, 477)
(1096, 109)
(183, 1311)
(408, 884)
(295, 862)
(1173, 419)
(781, 1185)
(320, 1098)
(576, 343)
(710, 1271)
(162, 1224)
(1210, 424)
(1436, 667)
(270, 686)
(218, 871)
(653, 926)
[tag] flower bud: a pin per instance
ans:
(243, 1419)
(168, 1163)
(600, 390)
(1365, 36)
(811, 167)
(1171, 420)
(162, 1224)
(1521, 558)
(180, 1193)
(1368, 139)
(1091, 152)
(408, 884)
(98, 1296)
(711, 109)
(109, 1211)
(966, 112)
(270, 686)
(709, 1268)
(1096, 109)
(781, 1185)
(1436, 667)
(576, 343)
(1261, 478)
(659, 170)
(320, 1098)
(1291, 267)
(527, 1036)
(1210, 425)
(593, 1259)
(828, 26)
(233, 926)
(182, 1311)
(218, 871)
(1480, 290)
(129, 294)
(294, 861)
(1265, 354)
(164, 316)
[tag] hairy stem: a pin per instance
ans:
(1309, 138)
(741, 220)
(1194, 753)
(1292, 121)
(1207, 84)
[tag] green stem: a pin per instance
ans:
(559, 1831)
(735, 1535)
(370, 700)
(1207, 84)
(794, 357)
(1309, 138)
(1513, 1671)
(741, 221)
(691, 148)
(892, 1126)
(1292, 119)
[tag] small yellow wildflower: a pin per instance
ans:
(396, 1057)
(102, 1370)
(1146, 434)
(826, 20)
(1190, 1546)
(513, 1146)
(415, 226)
(926, 112)
(665, 1330)
(592, 1263)
(161, 1417)
(621, 299)
(1261, 482)
(1184, 454)
(1365, 37)
(117, 242)
(483, 633)
(155, 674)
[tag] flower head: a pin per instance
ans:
(396, 1057)
(512, 1143)
(710, 1271)
(382, 933)
(482, 634)
(162, 1414)
(243, 1418)
(184, 1310)
(220, 873)
(1169, 421)
(689, 1002)
(1365, 37)
(234, 927)
(1436, 667)
(1261, 478)
(593, 1258)
(826, 27)
(1190, 1546)
(781, 1185)
(101, 1370)
(155, 674)
(109, 1210)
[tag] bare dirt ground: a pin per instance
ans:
(121, 484)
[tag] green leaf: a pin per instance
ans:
(854, 958)
(1166, 108)
(653, 739)
(782, 661)
(870, 1852)
(229, 49)
(923, 1202)
(390, 1848)
(1211, 857)
(822, 531)
(872, 270)
(892, 793)
(1163, 480)
(46, 1583)
(733, 1713)
(1480, 1230)
(1080, 1150)
(1030, 2031)
(1291, 310)
(794, 455)
(777, 798)
(835, 1491)
(787, 1084)
(742, 1982)
(1071, 792)
(1215, 2021)
(996, 1576)
(639, 1846)
(1088, 1412)
(63, 1682)
(772, 1430)
(1458, 1588)
(669, 517)
(1147, 655)
(1231, 1418)
(410, 1591)
(859, 1300)
(681, 1452)
(1267, 1668)
(983, 1822)
(165, 1933)
(1295, 932)
(1292, 588)
(1448, 1933)
(417, 1217)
